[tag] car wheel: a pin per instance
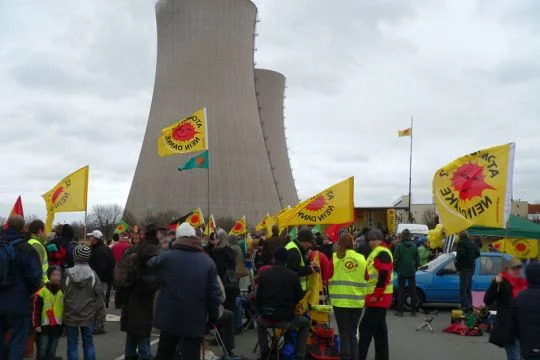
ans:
(407, 305)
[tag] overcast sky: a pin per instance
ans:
(76, 80)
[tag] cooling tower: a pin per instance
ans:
(205, 59)
(270, 86)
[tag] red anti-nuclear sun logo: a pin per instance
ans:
(56, 194)
(469, 181)
(238, 226)
(184, 132)
(520, 247)
(200, 161)
(317, 204)
(194, 219)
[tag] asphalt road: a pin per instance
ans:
(405, 342)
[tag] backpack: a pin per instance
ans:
(57, 254)
(8, 256)
(126, 270)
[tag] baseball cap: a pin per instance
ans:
(185, 230)
(96, 233)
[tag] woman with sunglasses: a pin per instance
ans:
(503, 289)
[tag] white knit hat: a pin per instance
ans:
(185, 230)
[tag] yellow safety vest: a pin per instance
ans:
(348, 286)
(54, 302)
(303, 279)
(373, 273)
(36, 244)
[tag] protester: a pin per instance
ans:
(501, 292)
(362, 245)
(137, 311)
(424, 251)
(83, 303)
(241, 272)
(467, 253)
(326, 266)
(121, 246)
(347, 291)
(278, 292)
(258, 257)
(296, 260)
(224, 258)
(406, 261)
(379, 275)
(48, 311)
(115, 240)
(327, 246)
(226, 324)
(36, 237)
(102, 262)
(60, 249)
(135, 238)
(271, 244)
(526, 314)
(189, 295)
(18, 282)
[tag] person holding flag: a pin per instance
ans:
(296, 260)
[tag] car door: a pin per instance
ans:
(446, 284)
(487, 267)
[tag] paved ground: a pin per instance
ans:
(405, 342)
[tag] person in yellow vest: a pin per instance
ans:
(47, 315)
(36, 233)
(296, 260)
(347, 289)
(379, 277)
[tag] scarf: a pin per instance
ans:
(518, 285)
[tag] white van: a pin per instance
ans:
(415, 229)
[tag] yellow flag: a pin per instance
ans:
(262, 224)
(276, 217)
(406, 132)
(475, 189)
(520, 248)
(240, 227)
(70, 194)
(390, 219)
(211, 228)
(196, 219)
(334, 205)
(185, 136)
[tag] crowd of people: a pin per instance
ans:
(186, 284)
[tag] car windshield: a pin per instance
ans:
(436, 263)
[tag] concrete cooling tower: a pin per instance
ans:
(205, 59)
(270, 86)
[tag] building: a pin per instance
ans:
(270, 87)
(205, 59)
(520, 208)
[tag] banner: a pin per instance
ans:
(391, 220)
(519, 248)
(185, 136)
(196, 219)
(332, 206)
(475, 189)
(239, 228)
(197, 162)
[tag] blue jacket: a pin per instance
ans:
(16, 299)
(190, 294)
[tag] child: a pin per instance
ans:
(47, 314)
(83, 300)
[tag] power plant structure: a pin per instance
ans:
(205, 59)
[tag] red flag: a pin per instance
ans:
(332, 231)
(16, 210)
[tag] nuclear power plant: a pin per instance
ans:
(205, 59)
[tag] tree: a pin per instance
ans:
(78, 229)
(105, 218)
(430, 218)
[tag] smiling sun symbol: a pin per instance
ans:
(469, 181)
(317, 204)
(184, 132)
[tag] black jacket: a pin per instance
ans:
(278, 293)
(102, 262)
(294, 261)
(500, 296)
(467, 253)
(269, 246)
(526, 313)
(225, 259)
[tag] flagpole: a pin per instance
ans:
(410, 172)
(85, 221)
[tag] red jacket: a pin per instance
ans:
(384, 265)
(119, 249)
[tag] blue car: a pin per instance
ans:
(438, 280)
